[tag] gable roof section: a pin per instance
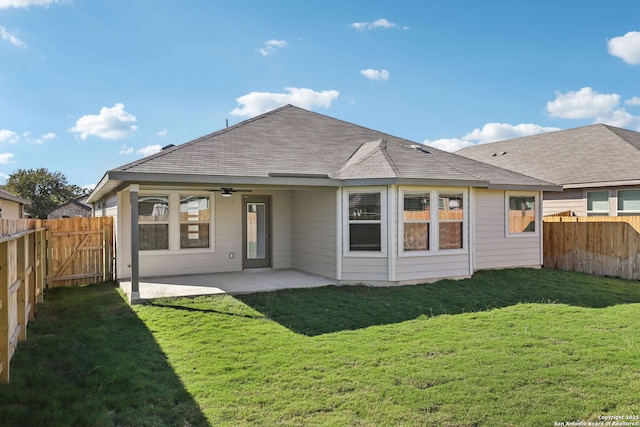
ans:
(5, 195)
(294, 142)
(595, 155)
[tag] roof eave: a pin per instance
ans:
(601, 184)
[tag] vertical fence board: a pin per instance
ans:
(603, 246)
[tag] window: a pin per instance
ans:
(194, 222)
(153, 222)
(450, 221)
(521, 214)
(597, 203)
(416, 218)
(365, 222)
(628, 202)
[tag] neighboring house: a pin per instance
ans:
(297, 189)
(77, 208)
(12, 206)
(598, 167)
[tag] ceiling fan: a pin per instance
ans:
(228, 191)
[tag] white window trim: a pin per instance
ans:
(347, 252)
(620, 212)
(434, 229)
(538, 214)
(596, 213)
(174, 222)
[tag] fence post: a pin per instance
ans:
(5, 334)
(21, 292)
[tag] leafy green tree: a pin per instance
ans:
(46, 190)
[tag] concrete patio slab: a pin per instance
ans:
(241, 282)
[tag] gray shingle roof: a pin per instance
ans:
(4, 194)
(291, 140)
(591, 155)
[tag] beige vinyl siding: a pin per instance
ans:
(363, 269)
(561, 201)
(492, 248)
(282, 229)
(10, 210)
(431, 267)
(314, 231)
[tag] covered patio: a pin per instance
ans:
(240, 282)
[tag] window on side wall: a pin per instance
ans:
(597, 203)
(628, 202)
(194, 222)
(416, 221)
(153, 222)
(365, 222)
(521, 215)
(450, 221)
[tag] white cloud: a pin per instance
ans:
(111, 123)
(6, 4)
(620, 118)
(89, 187)
(4, 177)
(449, 144)
(162, 133)
(490, 132)
(42, 138)
(272, 46)
(633, 101)
(378, 23)
(256, 103)
(377, 75)
(125, 149)
(589, 104)
(583, 104)
(7, 36)
(9, 136)
(6, 158)
(149, 149)
(626, 47)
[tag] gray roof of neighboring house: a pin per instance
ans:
(589, 156)
(293, 143)
(4, 194)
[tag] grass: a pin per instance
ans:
(513, 347)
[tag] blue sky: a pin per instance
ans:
(88, 85)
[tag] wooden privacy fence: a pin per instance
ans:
(22, 278)
(603, 246)
(38, 254)
(81, 251)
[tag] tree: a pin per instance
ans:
(46, 190)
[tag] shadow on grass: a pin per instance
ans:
(88, 360)
(331, 309)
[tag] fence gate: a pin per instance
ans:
(80, 251)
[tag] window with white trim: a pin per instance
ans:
(365, 222)
(450, 221)
(628, 202)
(194, 222)
(597, 203)
(416, 221)
(153, 222)
(521, 214)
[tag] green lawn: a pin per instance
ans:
(513, 347)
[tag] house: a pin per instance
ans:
(12, 206)
(76, 208)
(597, 166)
(297, 189)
